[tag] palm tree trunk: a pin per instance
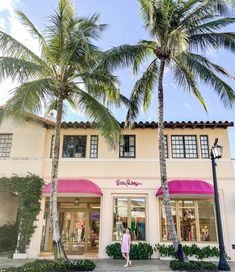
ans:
(59, 252)
(163, 173)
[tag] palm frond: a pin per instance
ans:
(90, 27)
(139, 60)
(213, 40)
(204, 70)
(210, 65)
(12, 48)
(142, 92)
(18, 69)
(29, 97)
(205, 7)
(122, 56)
(103, 85)
(101, 116)
(185, 78)
(62, 21)
(213, 25)
(31, 27)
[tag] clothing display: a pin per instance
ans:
(79, 226)
(119, 230)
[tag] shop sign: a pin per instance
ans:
(127, 182)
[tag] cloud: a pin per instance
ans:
(10, 24)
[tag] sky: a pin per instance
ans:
(125, 26)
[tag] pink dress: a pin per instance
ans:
(126, 240)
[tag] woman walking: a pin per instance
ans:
(125, 247)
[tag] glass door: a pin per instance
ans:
(94, 218)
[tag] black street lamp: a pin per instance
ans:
(216, 153)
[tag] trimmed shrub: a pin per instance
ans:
(190, 250)
(53, 266)
(192, 266)
(140, 251)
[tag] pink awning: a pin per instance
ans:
(80, 186)
(188, 187)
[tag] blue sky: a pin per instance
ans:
(125, 26)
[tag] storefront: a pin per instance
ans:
(90, 218)
(78, 216)
(192, 203)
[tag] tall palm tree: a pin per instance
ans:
(181, 31)
(66, 70)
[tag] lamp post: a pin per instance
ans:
(216, 153)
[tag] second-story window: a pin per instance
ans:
(94, 147)
(127, 146)
(204, 146)
(184, 147)
(5, 145)
(74, 146)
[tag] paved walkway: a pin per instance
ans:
(113, 265)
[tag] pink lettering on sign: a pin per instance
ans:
(127, 182)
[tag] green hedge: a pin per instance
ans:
(29, 189)
(8, 237)
(192, 266)
(190, 250)
(53, 266)
(140, 251)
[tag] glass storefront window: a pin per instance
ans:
(194, 220)
(164, 231)
(207, 220)
(187, 224)
(129, 213)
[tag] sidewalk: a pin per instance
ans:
(105, 265)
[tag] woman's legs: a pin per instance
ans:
(127, 258)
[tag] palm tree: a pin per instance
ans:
(181, 31)
(66, 70)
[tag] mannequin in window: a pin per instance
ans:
(79, 226)
(119, 228)
(205, 234)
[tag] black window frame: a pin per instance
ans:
(201, 147)
(184, 149)
(124, 146)
(94, 146)
(83, 151)
(5, 143)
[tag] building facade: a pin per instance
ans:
(103, 191)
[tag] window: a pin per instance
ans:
(52, 145)
(74, 147)
(94, 147)
(127, 146)
(129, 212)
(187, 220)
(184, 147)
(5, 145)
(204, 146)
(194, 220)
